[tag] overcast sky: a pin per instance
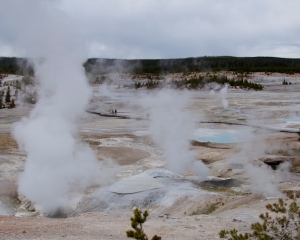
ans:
(133, 29)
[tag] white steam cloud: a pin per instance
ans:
(223, 93)
(171, 128)
(260, 175)
(57, 165)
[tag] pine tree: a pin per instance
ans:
(7, 96)
(12, 104)
(1, 101)
(18, 85)
(285, 225)
(137, 224)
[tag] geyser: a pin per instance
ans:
(57, 167)
(223, 93)
(170, 127)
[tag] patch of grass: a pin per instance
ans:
(295, 193)
(295, 169)
(288, 152)
(208, 209)
(15, 198)
(229, 191)
(285, 152)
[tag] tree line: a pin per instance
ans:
(199, 64)
(10, 92)
(98, 66)
(17, 66)
(6, 100)
(199, 82)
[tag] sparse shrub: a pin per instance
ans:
(150, 84)
(138, 85)
(98, 79)
(17, 85)
(137, 224)
(284, 226)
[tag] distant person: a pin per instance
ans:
(115, 111)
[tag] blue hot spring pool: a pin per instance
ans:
(293, 119)
(217, 136)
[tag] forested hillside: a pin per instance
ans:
(159, 66)
(13, 65)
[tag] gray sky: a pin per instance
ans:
(174, 28)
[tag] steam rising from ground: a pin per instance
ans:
(171, 128)
(254, 145)
(57, 165)
(223, 93)
(261, 176)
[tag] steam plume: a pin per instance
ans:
(57, 165)
(171, 128)
(260, 175)
(223, 93)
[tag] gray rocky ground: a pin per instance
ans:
(183, 208)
